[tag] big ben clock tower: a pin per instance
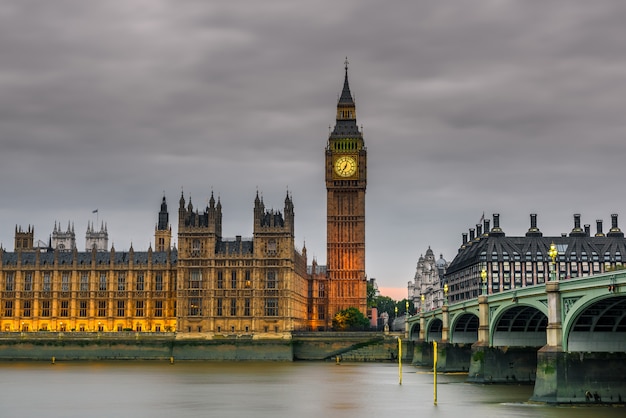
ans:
(346, 179)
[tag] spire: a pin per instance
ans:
(346, 96)
(163, 216)
(346, 112)
(212, 200)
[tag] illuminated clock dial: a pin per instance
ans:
(345, 166)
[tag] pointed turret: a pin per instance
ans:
(346, 112)
(163, 231)
(163, 216)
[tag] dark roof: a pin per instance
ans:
(84, 258)
(535, 248)
(237, 246)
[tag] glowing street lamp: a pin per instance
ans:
(552, 253)
(445, 294)
(483, 278)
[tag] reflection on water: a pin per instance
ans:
(302, 390)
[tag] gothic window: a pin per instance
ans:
(139, 308)
(27, 307)
(28, 282)
(271, 246)
(158, 282)
(271, 307)
(320, 312)
(8, 308)
(45, 308)
(9, 284)
(65, 308)
(102, 284)
(220, 280)
(102, 308)
(121, 308)
(65, 282)
(248, 281)
(140, 282)
(233, 307)
(158, 308)
(83, 307)
(84, 282)
(195, 307)
(195, 279)
(196, 247)
(219, 307)
(271, 280)
(246, 307)
(47, 284)
(121, 282)
(233, 279)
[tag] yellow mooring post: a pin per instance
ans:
(400, 359)
(435, 371)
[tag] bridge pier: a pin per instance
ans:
(575, 377)
(450, 357)
(498, 364)
(585, 378)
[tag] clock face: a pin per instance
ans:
(345, 166)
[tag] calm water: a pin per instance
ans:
(301, 390)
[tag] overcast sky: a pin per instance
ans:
(509, 107)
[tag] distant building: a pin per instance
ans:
(426, 289)
(63, 240)
(97, 239)
(519, 261)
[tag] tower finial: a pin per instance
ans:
(346, 64)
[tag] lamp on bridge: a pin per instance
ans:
(445, 294)
(483, 278)
(422, 304)
(407, 308)
(552, 253)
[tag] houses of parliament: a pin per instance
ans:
(208, 284)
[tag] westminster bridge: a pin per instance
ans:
(567, 336)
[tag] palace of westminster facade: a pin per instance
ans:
(208, 284)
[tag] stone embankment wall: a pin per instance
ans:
(169, 346)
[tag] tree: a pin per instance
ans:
(371, 295)
(385, 304)
(350, 319)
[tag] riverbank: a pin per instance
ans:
(70, 346)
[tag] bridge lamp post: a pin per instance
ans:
(422, 303)
(483, 278)
(445, 294)
(552, 253)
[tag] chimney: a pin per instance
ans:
(599, 232)
(464, 234)
(486, 222)
(587, 230)
(479, 230)
(615, 231)
(496, 231)
(577, 231)
(533, 231)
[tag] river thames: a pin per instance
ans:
(251, 389)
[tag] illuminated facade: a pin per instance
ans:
(209, 285)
